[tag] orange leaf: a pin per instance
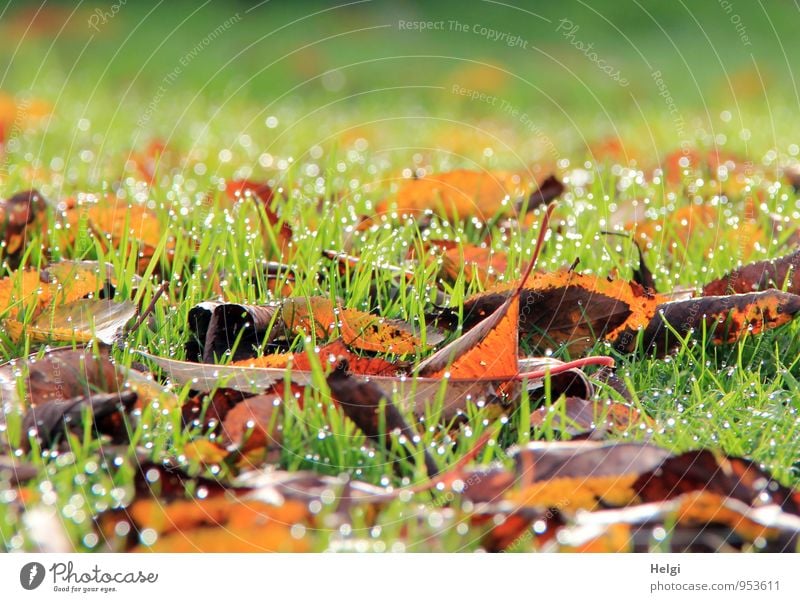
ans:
(358, 329)
(461, 193)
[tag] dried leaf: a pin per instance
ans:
(243, 189)
(758, 276)
(254, 423)
(460, 194)
(215, 328)
(578, 416)
(50, 421)
(488, 350)
(14, 472)
(21, 215)
(373, 412)
(218, 525)
(60, 375)
(570, 309)
(357, 329)
(57, 284)
(726, 319)
(78, 321)
(549, 190)
(411, 393)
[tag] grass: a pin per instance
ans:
(247, 119)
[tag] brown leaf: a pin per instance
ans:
(412, 394)
(695, 522)
(254, 423)
(164, 482)
(50, 421)
(578, 416)
(14, 472)
(244, 189)
(60, 375)
(215, 328)
(570, 309)
(79, 321)
(550, 189)
(758, 276)
(372, 411)
(21, 216)
(195, 414)
(726, 319)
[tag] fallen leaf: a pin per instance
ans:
(459, 194)
(21, 216)
(60, 375)
(782, 273)
(239, 190)
(79, 321)
(373, 412)
(49, 422)
(570, 309)
(725, 319)
(219, 525)
(54, 285)
(578, 416)
(358, 329)
(215, 328)
(254, 423)
(549, 190)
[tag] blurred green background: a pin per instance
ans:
(211, 71)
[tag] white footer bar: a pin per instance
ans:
(398, 577)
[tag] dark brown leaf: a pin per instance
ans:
(758, 276)
(726, 319)
(49, 422)
(19, 216)
(550, 189)
(372, 411)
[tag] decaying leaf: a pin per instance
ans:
(22, 216)
(79, 321)
(578, 416)
(59, 375)
(460, 194)
(372, 411)
(725, 319)
(14, 472)
(59, 283)
(254, 423)
(217, 525)
(782, 273)
(209, 412)
(571, 309)
(697, 522)
(50, 421)
(357, 329)
(244, 189)
(549, 190)
(218, 328)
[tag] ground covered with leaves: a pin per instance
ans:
(420, 325)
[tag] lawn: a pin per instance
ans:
(336, 108)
